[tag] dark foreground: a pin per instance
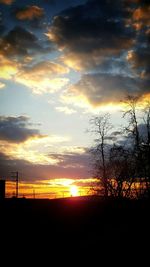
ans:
(93, 229)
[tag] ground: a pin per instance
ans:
(91, 228)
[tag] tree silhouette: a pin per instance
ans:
(123, 170)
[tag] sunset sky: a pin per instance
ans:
(61, 62)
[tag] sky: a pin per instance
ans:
(61, 62)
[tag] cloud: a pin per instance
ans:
(16, 129)
(19, 42)
(97, 89)
(8, 68)
(29, 13)
(70, 165)
(2, 85)
(7, 2)
(139, 56)
(139, 60)
(84, 31)
(18, 140)
(30, 150)
(72, 160)
(82, 61)
(78, 30)
(141, 17)
(2, 27)
(43, 77)
(66, 110)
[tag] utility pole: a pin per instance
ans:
(16, 176)
(34, 193)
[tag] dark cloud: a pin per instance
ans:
(102, 88)
(17, 129)
(25, 168)
(68, 167)
(91, 35)
(2, 27)
(139, 55)
(72, 160)
(19, 42)
(126, 139)
(7, 164)
(139, 60)
(66, 2)
(50, 1)
(143, 132)
(95, 25)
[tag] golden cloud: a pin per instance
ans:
(131, 56)
(66, 110)
(81, 101)
(38, 86)
(2, 85)
(72, 149)
(8, 68)
(29, 13)
(95, 92)
(85, 60)
(82, 61)
(76, 99)
(35, 149)
(43, 77)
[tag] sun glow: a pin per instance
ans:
(74, 190)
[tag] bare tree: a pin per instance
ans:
(146, 147)
(146, 119)
(101, 127)
(131, 112)
(122, 171)
(141, 141)
(123, 168)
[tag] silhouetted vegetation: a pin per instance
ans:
(122, 158)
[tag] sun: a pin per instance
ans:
(74, 190)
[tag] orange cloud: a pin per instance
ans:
(7, 2)
(142, 13)
(29, 13)
(141, 16)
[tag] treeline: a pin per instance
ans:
(121, 159)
